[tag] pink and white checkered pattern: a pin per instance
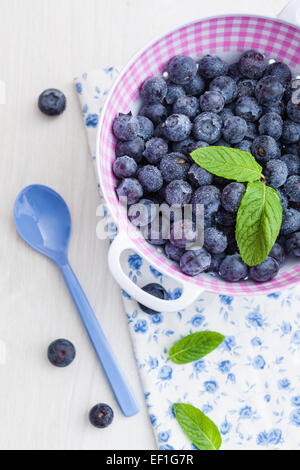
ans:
(217, 35)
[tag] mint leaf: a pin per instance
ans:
(194, 346)
(228, 163)
(258, 222)
(203, 432)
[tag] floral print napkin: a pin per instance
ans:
(250, 385)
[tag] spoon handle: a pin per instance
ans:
(103, 350)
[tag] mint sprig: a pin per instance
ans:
(258, 222)
(229, 163)
(195, 346)
(203, 432)
(259, 216)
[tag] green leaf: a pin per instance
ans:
(194, 346)
(258, 222)
(228, 163)
(203, 432)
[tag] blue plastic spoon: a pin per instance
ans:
(43, 220)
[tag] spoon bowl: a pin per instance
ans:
(43, 220)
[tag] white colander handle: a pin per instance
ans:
(190, 292)
(291, 13)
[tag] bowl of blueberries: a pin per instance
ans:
(228, 82)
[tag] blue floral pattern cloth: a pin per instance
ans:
(250, 385)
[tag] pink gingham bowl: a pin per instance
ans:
(226, 36)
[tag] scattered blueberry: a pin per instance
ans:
(131, 148)
(210, 197)
(61, 353)
(156, 290)
(174, 92)
(187, 105)
(264, 148)
(125, 167)
(265, 271)
(52, 102)
(178, 192)
(271, 124)
(215, 241)
(146, 130)
(212, 101)
(101, 416)
(195, 86)
(248, 108)
(174, 166)
(156, 149)
(226, 86)
(234, 129)
(269, 90)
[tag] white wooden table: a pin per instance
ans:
(45, 43)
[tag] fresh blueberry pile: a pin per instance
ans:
(248, 105)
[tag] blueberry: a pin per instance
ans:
(283, 198)
(159, 131)
(222, 143)
(197, 176)
(157, 232)
(211, 66)
(195, 86)
(142, 213)
(156, 290)
(126, 127)
(271, 124)
(244, 145)
(234, 72)
(225, 114)
(178, 192)
(232, 195)
(131, 148)
(290, 221)
(153, 90)
(187, 105)
(61, 353)
(194, 262)
(52, 102)
(264, 148)
(292, 188)
(212, 101)
(248, 108)
(130, 188)
(225, 218)
(292, 162)
(276, 173)
(146, 130)
(292, 245)
(215, 241)
(277, 252)
(234, 129)
(207, 127)
(291, 148)
(181, 69)
(174, 166)
(157, 113)
(124, 167)
(177, 127)
(264, 271)
(194, 145)
(101, 416)
(185, 145)
(150, 178)
(252, 64)
(290, 132)
(246, 87)
(156, 149)
(278, 108)
(281, 71)
(269, 90)
(183, 233)
(173, 93)
(292, 90)
(226, 86)
(173, 252)
(233, 269)
(210, 197)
